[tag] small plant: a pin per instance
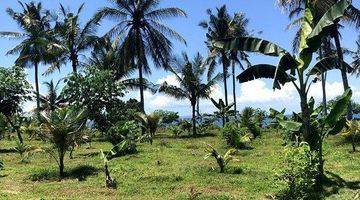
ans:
(299, 172)
(235, 136)
(124, 131)
(150, 123)
(251, 118)
(185, 125)
(25, 151)
(222, 160)
(175, 130)
(61, 128)
(352, 133)
(110, 182)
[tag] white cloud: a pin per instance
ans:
(258, 92)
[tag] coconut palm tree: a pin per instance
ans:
(74, 38)
(61, 128)
(218, 28)
(105, 57)
(145, 34)
(356, 56)
(319, 8)
(52, 100)
(37, 44)
(222, 26)
(188, 74)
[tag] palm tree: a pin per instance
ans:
(74, 38)
(61, 128)
(52, 100)
(319, 8)
(105, 57)
(145, 34)
(150, 123)
(188, 74)
(222, 26)
(238, 27)
(356, 56)
(38, 43)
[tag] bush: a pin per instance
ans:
(175, 130)
(252, 120)
(235, 136)
(124, 131)
(168, 117)
(299, 173)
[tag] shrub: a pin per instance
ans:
(127, 132)
(185, 125)
(168, 117)
(352, 133)
(235, 136)
(251, 119)
(299, 172)
(175, 130)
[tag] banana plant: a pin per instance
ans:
(110, 182)
(150, 123)
(222, 160)
(352, 131)
(293, 69)
(223, 110)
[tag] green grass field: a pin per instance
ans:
(172, 168)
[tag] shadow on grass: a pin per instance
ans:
(80, 173)
(332, 183)
(8, 150)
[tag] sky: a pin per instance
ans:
(267, 21)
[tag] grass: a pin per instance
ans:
(172, 168)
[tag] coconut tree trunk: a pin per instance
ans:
(15, 128)
(225, 72)
(36, 65)
(74, 62)
(198, 107)
(343, 69)
(193, 105)
(61, 164)
(234, 87)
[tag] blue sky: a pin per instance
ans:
(264, 16)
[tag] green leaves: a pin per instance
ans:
(251, 44)
(264, 71)
(326, 23)
(339, 108)
(291, 125)
(327, 64)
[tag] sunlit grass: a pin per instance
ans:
(172, 168)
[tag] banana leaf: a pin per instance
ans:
(326, 24)
(327, 64)
(339, 108)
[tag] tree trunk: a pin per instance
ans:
(353, 143)
(306, 123)
(323, 85)
(198, 107)
(37, 86)
(225, 71)
(321, 162)
(193, 118)
(234, 87)
(223, 120)
(61, 165)
(16, 129)
(74, 60)
(343, 69)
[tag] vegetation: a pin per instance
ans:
(60, 129)
(92, 110)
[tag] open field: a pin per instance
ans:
(170, 169)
